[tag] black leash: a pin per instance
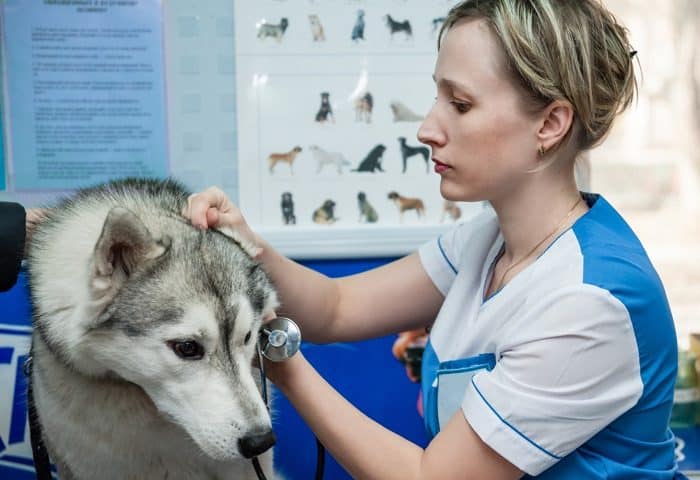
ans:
(320, 449)
(42, 464)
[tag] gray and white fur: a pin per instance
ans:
(124, 291)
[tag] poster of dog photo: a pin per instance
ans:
(332, 131)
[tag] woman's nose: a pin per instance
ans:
(430, 131)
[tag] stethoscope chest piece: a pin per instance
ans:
(279, 339)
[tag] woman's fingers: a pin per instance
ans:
(213, 209)
(200, 204)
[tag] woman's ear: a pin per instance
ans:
(557, 120)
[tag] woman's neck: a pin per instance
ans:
(529, 215)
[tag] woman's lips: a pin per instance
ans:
(439, 166)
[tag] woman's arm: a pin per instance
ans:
(369, 451)
(395, 297)
(398, 296)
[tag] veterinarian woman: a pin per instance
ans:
(15, 225)
(552, 350)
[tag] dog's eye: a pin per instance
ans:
(247, 338)
(189, 349)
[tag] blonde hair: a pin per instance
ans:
(573, 50)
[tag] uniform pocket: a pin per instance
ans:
(445, 396)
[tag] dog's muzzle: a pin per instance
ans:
(256, 443)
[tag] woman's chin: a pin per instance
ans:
(452, 192)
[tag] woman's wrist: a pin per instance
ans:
(284, 374)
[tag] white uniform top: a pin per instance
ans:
(569, 369)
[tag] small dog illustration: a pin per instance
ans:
(317, 28)
(287, 206)
(403, 114)
(275, 31)
(395, 26)
(325, 111)
(373, 160)
(324, 158)
(358, 31)
(406, 203)
(450, 210)
(408, 151)
(437, 23)
(288, 157)
(325, 213)
(367, 211)
(363, 108)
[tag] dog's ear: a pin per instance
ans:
(125, 244)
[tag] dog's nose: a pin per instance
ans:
(256, 443)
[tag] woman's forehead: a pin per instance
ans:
(470, 56)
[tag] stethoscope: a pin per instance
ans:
(278, 341)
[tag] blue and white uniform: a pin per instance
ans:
(568, 370)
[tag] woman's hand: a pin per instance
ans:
(213, 209)
(34, 216)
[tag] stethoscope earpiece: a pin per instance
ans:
(279, 339)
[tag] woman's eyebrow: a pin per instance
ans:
(453, 85)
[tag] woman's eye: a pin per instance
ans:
(188, 349)
(247, 338)
(461, 107)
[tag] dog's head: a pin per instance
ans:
(324, 97)
(379, 149)
(328, 207)
(284, 23)
(286, 198)
(392, 196)
(361, 196)
(156, 303)
(402, 140)
(360, 14)
(297, 149)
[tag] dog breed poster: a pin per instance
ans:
(330, 98)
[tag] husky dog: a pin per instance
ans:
(273, 30)
(395, 26)
(144, 332)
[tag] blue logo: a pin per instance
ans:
(15, 446)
